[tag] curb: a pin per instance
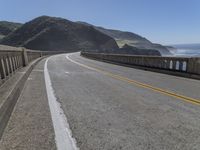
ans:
(10, 100)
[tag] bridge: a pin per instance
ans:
(98, 101)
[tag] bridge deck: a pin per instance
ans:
(116, 107)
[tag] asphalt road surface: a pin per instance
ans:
(111, 107)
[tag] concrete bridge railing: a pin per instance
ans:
(176, 64)
(11, 59)
(15, 58)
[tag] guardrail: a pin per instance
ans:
(176, 64)
(13, 59)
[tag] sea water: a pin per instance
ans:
(187, 52)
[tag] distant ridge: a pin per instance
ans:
(138, 51)
(117, 34)
(132, 39)
(58, 34)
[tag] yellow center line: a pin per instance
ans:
(140, 84)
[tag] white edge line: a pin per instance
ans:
(67, 57)
(63, 135)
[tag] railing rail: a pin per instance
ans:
(178, 64)
(12, 59)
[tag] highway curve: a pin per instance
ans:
(115, 107)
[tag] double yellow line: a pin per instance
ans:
(140, 84)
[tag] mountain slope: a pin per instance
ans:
(132, 39)
(136, 51)
(130, 50)
(8, 27)
(51, 33)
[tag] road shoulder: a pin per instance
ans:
(30, 125)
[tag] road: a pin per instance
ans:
(105, 112)
(112, 107)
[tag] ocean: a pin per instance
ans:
(187, 50)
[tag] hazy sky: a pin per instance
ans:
(162, 21)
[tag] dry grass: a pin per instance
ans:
(121, 42)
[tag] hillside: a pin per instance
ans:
(136, 51)
(8, 27)
(130, 50)
(132, 39)
(51, 33)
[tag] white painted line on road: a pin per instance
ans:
(63, 136)
(140, 84)
(67, 56)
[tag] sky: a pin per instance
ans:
(161, 21)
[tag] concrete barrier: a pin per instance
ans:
(10, 92)
(184, 66)
(11, 60)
